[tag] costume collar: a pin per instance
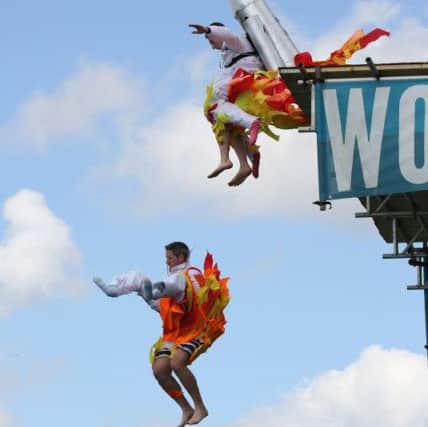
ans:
(178, 267)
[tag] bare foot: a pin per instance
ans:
(198, 416)
(222, 167)
(187, 415)
(240, 177)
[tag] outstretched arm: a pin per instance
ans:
(199, 29)
(122, 284)
(222, 35)
(109, 290)
(173, 287)
(132, 282)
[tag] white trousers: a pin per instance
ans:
(235, 115)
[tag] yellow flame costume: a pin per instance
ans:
(201, 313)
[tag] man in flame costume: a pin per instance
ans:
(191, 304)
(245, 99)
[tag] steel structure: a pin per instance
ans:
(401, 218)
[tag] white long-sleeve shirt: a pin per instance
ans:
(175, 284)
(232, 46)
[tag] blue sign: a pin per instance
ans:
(372, 136)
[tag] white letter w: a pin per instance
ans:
(369, 147)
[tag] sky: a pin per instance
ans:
(104, 156)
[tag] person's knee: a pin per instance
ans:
(161, 371)
(178, 365)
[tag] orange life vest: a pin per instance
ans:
(180, 320)
(200, 314)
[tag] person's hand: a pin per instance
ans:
(98, 281)
(199, 29)
(147, 290)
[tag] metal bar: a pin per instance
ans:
(383, 203)
(369, 204)
(397, 224)
(413, 239)
(416, 252)
(396, 214)
(373, 69)
(426, 304)
(396, 256)
(395, 242)
(422, 222)
(318, 75)
(411, 201)
(304, 73)
(395, 236)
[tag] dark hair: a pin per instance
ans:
(216, 24)
(178, 248)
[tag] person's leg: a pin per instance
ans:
(254, 131)
(240, 118)
(239, 144)
(179, 362)
(163, 374)
(235, 115)
(224, 148)
(254, 157)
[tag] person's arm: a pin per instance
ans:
(231, 40)
(199, 29)
(222, 35)
(173, 287)
(110, 290)
(122, 284)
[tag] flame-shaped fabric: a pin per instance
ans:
(358, 40)
(200, 314)
(262, 94)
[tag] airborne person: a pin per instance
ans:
(237, 52)
(245, 98)
(191, 304)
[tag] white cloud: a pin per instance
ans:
(199, 67)
(75, 106)
(172, 157)
(406, 42)
(383, 388)
(37, 253)
(366, 14)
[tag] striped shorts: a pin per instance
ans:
(188, 347)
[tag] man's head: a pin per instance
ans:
(215, 44)
(176, 253)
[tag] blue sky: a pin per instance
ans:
(104, 155)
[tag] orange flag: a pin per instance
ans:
(358, 40)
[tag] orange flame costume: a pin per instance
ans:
(200, 314)
(265, 95)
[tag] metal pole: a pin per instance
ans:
(426, 300)
(394, 236)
